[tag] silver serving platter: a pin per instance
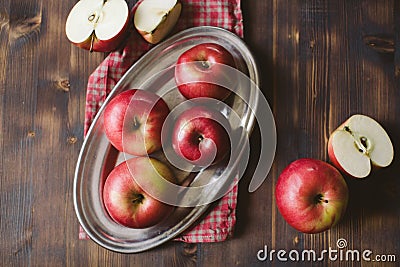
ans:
(97, 157)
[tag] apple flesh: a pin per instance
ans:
(200, 136)
(154, 19)
(93, 24)
(126, 202)
(311, 195)
(201, 71)
(358, 144)
(133, 121)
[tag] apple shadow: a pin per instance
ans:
(268, 79)
(244, 197)
(379, 193)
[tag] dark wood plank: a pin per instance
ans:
(42, 115)
(320, 61)
(17, 92)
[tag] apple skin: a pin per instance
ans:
(126, 202)
(332, 157)
(311, 195)
(133, 121)
(331, 153)
(200, 136)
(200, 70)
(105, 46)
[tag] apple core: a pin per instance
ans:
(361, 142)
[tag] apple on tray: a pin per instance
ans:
(133, 121)
(203, 70)
(311, 195)
(98, 25)
(154, 19)
(201, 136)
(129, 204)
(359, 143)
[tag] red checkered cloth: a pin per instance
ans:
(219, 223)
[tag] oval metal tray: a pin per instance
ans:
(97, 157)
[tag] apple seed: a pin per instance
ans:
(361, 143)
(91, 17)
(364, 141)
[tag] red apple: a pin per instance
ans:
(93, 24)
(358, 144)
(126, 202)
(133, 121)
(200, 136)
(154, 19)
(202, 71)
(311, 195)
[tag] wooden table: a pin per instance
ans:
(320, 62)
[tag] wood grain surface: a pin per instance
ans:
(320, 62)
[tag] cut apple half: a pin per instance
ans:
(154, 19)
(98, 25)
(358, 144)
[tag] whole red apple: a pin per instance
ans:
(201, 71)
(126, 202)
(133, 121)
(311, 195)
(200, 136)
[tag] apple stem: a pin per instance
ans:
(361, 142)
(136, 123)
(137, 198)
(91, 43)
(204, 64)
(320, 199)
